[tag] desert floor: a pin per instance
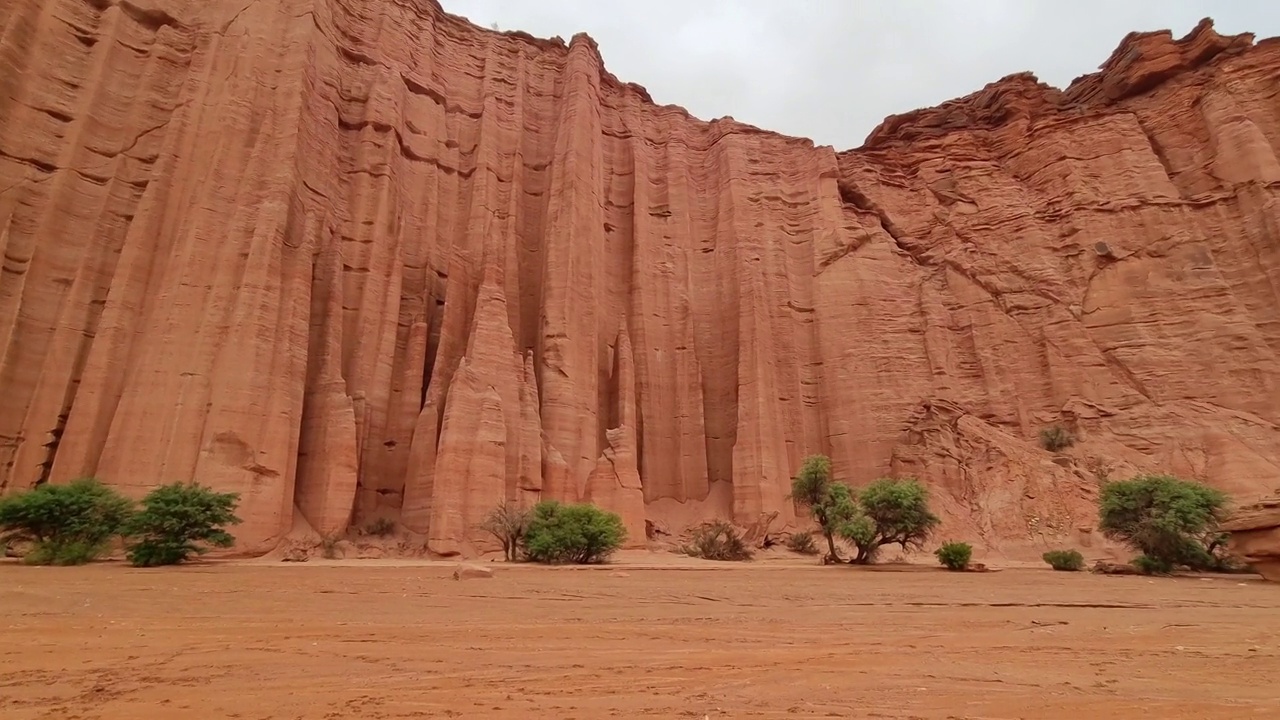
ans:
(375, 640)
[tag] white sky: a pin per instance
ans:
(831, 70)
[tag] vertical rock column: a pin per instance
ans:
(481, 422)
(570, 341)
(327, 462)
(614, 484)
(668, 374)
(760, 466)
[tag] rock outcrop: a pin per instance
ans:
(1255, 536)
(358, 260)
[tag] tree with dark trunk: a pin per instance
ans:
(831, 504)
(892, 512)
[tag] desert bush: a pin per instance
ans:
(802, 542)
(1170, 521)
(718, 541)
(832, 504)
(381, 527)
(892, 512)
(581, 533)
(1065, 560)
(1055, 438)
(329, 546)
(180, 520)
(1148, 565)
(955, 555)
(67, 524)
(508, 523)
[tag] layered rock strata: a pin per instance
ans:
(1255, 536)
(360, 260)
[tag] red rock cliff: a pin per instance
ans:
(364, 259)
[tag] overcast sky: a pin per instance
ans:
(831, 70)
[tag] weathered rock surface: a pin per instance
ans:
(358, 260)
(471, 572)
(1255, 536)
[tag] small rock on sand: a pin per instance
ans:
(471, 572)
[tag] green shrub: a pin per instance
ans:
(955, 555)
(832, 504)
(1170, 521)
(802, 542)
(64, 553)
(178, 521)
(68, 524)
(1055, 439)
(893, 512)
(508, 523)
(718, 541)
(1152, 566)
(1066, 560)
(581, 533)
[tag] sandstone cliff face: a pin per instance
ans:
(363, 259)
(1255, 536)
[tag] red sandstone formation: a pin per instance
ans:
(1255, 536)
(364, 259)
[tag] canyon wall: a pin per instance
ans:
(361, 260)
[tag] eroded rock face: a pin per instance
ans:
(1255, 536)
(360, 260)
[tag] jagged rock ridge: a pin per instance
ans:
(360, 260)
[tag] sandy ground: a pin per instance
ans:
(374, 641)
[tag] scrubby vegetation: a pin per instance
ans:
(831, 504)
(955, 555)
(581, 533)
(508, 523)
(802, 543)
(74, 524)
(329, 546)
(180, 520)
(381, 527)
(1152, 566)
(887, 512)
(1056, 439)
(718, 541)
(67, 524)
(892, 512)
(1065, 560)
(1172, 522)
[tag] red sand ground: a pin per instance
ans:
(375, 641)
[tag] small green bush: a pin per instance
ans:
(64, 553)
(802, 542)
(67, 524)
(1065, 560)
(581, 534)
(1055, 439)
(178, 521)
(718, 541)
(955, 555)
(1148, 565)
